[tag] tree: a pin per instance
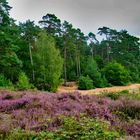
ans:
(4, 13)
(66, 33)
(80, 41)
(110, 35)
(48, 64)
(23, 82)
(93, 40)
(29, 32)
(51, 24)
(116, 74)
(10, 64)
(93, 72)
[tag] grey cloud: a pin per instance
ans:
(88, 15)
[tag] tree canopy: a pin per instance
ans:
(55, 50)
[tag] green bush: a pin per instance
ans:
(23, 82)
(100, 62)
(18, 134)
(116, 74)
(85, 83)
(4, 83)
(124, 93)
(105, 82)
(93, 72)
(83, 129)
(115, 96)
(134, 73)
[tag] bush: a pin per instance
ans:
(23, 82)
(85, 128)
(124, 93)
(93, 72)
(60, 114)
(115, 96)
(127, 107)
(105, 82)
(116, 74)
(100, 62)
(134, 73)
(85, 83)
(72, 129)
(18, 134)
(4, 83)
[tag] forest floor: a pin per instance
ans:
(133, 88)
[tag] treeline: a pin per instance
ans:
(55, 52)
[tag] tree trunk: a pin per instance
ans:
(107, 49)
(92, 52)
(77, 62)
(78, 66)
(95, 51)
(65, 65)
(102, 53)
(32, 64)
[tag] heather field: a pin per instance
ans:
(53, 116)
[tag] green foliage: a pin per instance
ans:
(49, 64)
(124, 93)
(10, 64)
(51, 23)
(129, 110)
(18, 134)
(85, 128)
(29, 33)
(22, 50)
(116, 74)
(4, 83)
(85, 83)
(105, 82)
(134, 72)
(23, 82)
(115, 96)
(93, 72)
(100, 62)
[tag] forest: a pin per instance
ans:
(49, 54)
(35, 59)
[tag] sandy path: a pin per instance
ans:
(134, 88)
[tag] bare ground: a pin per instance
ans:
(133, 88)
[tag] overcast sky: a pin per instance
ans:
(88, 15)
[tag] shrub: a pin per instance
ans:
(23, 82)
(85, 83)
(127, 107)
(105, 82)
(115, 96)
(58, 116)
(93, 72)
(133, 129)
(116, 74)
(100, 62)
(85, 128)
(4, 83)
(134, 73)
(18, 134)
